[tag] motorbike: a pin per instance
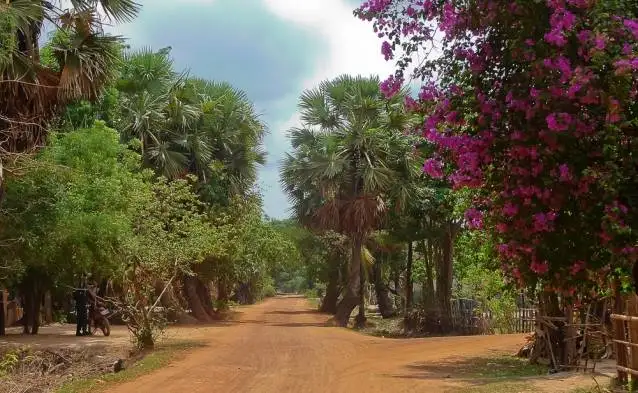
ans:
(98, 318)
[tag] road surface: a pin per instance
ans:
(282, 345)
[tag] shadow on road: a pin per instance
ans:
(299, 324)
(289, 312)
(477, 370)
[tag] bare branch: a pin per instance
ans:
(24, 123)
(29, 83)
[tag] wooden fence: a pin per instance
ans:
(470, 318)
(625, 339)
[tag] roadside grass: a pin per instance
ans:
(146, 363)
(502, 367)
(497, 387)
(506, 374)
(518, 387)
(384, 327)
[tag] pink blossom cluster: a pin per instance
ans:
(540, 128)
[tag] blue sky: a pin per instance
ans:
(272, 49)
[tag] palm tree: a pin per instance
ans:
(153, 110)
(85, 59)
(344, 165)
(233, 133)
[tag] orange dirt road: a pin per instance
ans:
(282, 345)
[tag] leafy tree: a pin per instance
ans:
(533, 105)
(171, 232)
(69, 213)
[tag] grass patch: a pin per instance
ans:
(502, 367)
(388, 327)
(496, 387)
(479, 370)
(161, 357)
(314, 302)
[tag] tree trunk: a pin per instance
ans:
(48, 308)
(428, 287)
(381, 290)
(171, 302)
(26, 292)
(37, 303)
(351, 295)
(444, 281)
(222, 295)
(3, 303)
(203, 292)
(329, 302)
(243, 294)
(408, 281)
(360, 321)
(194, 302)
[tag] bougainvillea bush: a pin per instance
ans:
(532, 103)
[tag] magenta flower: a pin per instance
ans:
(625, 66)
(564, 173)
(577, 267)
(501, 227)
(600, 42)
(627, 49)
(386, 50)
(510, 210)
(632, 25)
(433, 168)
(474, 218)
(556, 37)
(391, 86)
(539, 268)
(584, 36)
(558, 121)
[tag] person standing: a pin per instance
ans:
(80, 296)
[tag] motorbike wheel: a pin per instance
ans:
(106, 327)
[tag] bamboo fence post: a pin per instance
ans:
(619, 334)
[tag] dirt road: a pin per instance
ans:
(282, 346)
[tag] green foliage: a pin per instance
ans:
(8, 29)
(8, 362)
(478, 277)
(70, 212)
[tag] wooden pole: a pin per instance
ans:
(632, 309)
(619, 334)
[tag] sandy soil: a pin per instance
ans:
(282, 345)
(63, 335)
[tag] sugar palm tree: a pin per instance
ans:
(85, 59)
(154, 111)
(234, 134)
(344, 164)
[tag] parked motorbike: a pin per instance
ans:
(98, 316)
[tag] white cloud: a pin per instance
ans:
(352, 46)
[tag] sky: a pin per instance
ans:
(271, 49)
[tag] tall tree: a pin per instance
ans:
(533, 104)
(33, 93)
(342, 168)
